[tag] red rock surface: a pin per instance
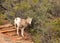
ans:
(8, 35)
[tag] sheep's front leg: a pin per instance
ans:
(22, 32)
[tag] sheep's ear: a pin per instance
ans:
(29, 20)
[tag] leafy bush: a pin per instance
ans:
(42, 12)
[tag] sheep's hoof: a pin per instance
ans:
(22, 35)
(18, 34)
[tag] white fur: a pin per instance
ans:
(16, 22)
(19, 22)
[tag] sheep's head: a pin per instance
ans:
(29, 20)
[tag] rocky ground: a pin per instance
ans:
(8, 35)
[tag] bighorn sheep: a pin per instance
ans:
(22, 24)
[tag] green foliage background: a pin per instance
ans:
(45, 14)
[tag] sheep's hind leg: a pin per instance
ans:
(18, 31)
